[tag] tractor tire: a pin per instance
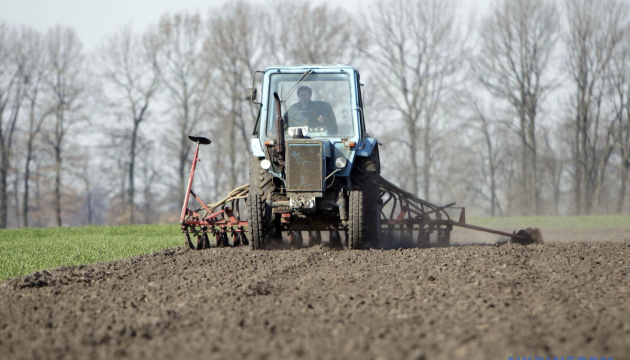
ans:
(356, 228)
(364, 202)
(260, 185)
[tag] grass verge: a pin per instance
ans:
(23, 251)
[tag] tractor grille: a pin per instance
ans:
(305, 167)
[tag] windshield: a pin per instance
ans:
(318, 104)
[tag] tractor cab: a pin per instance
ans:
(313, 168)
(320, 103)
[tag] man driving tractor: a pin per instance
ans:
(317, 115)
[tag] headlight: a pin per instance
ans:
(341, 162)
(265, 164)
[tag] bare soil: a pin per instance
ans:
(463, 302)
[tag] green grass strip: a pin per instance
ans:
(23, 251)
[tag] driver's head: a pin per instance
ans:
(304, 94)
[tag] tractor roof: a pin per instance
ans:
(313, 66)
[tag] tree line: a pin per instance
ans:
(521, 110)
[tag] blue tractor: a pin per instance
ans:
(313, 166)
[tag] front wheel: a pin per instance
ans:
(260, 185)
(364, 202)
(355, 223)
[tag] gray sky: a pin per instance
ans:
(92, 19)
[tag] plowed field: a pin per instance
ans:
(562, 298)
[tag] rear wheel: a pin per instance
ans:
(364, 202)
(260, 185)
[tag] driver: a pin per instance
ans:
(317, 115)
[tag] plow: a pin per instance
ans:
(406, 221)
(314, 169)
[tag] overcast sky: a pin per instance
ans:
(92, 19)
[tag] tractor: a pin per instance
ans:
(313, 168)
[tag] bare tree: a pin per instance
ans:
(186, 78)
(131, 73)
(596, 30)
(620, 82)
(490, 155)
(12, 92)
(150, 174)
(66, 89)
(311, 34)
(37, 111)
(417, 51)
(517, 41)
(554, 163)
(233, 50)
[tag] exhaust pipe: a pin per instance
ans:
(280, 147)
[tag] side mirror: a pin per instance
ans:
(250, 94)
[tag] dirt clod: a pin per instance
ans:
(534, 236)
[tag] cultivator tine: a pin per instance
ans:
(188, 242)
(406, 238)
(390, 232)
(424, 240)
(206, 241)
(335, 239)
(200, 242)
(314, 237)
(220, 241)
(295, 239)
(443, 238)
(244, 240)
